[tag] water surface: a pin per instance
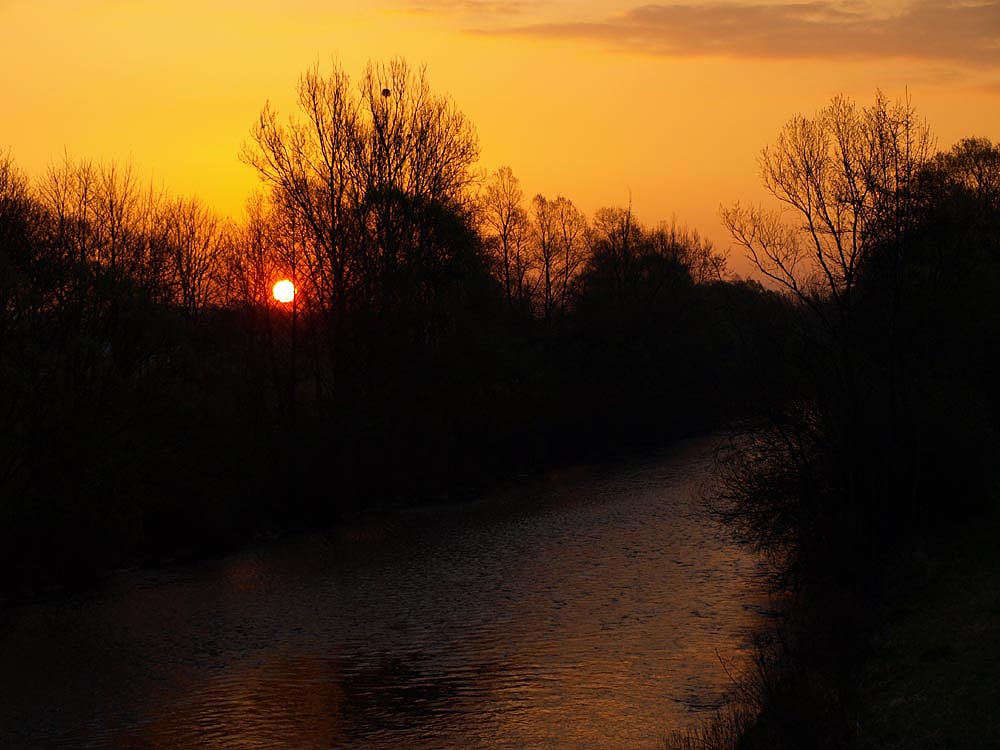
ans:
(591, 608)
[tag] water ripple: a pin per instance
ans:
(592, 608)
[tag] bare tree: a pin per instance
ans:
(18, 230)
(250, 258)
(974, 164)
(846, 176)
(147, 254)
(308, 167)
(68, 192)
(104, 220)
(345, 168)
(571, 230)
(507, 228)
(691, 250)
(560, 249)
(115, 213)
(195, 239)
(826, 476)
(615, 233)
(415, 141)
(546, 253)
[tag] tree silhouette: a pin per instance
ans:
(337, 166)
(560, 252)
(195, 240)
(350, 178)
(848, 176)
(890, 262)
(507, 230)
(444, 333)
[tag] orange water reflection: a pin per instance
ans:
(589, 610)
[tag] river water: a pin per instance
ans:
(589, 608)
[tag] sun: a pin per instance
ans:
(284, 291)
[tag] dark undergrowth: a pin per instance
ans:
(905, 656)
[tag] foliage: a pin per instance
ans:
(886, 449)
(887, 269)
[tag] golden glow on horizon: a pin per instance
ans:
(175, 87)
(284, 291)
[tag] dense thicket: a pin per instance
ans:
(886, 451)
(893, 268)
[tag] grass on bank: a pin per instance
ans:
(933, 677)
(929, 677)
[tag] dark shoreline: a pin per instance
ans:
(90, 578)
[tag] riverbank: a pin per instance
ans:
(932, 678)
(213, 529)
(907, 658)
(916, 667)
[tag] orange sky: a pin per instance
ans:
(667, 103)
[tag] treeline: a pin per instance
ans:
(884, 452)
(446, 331)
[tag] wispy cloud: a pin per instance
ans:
(967, 33)
(467, 7)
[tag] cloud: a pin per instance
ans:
(966, 33)
(478, 7)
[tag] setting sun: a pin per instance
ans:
(284, 291)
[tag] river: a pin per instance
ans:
(589, 608)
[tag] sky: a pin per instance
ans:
(664, 105)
